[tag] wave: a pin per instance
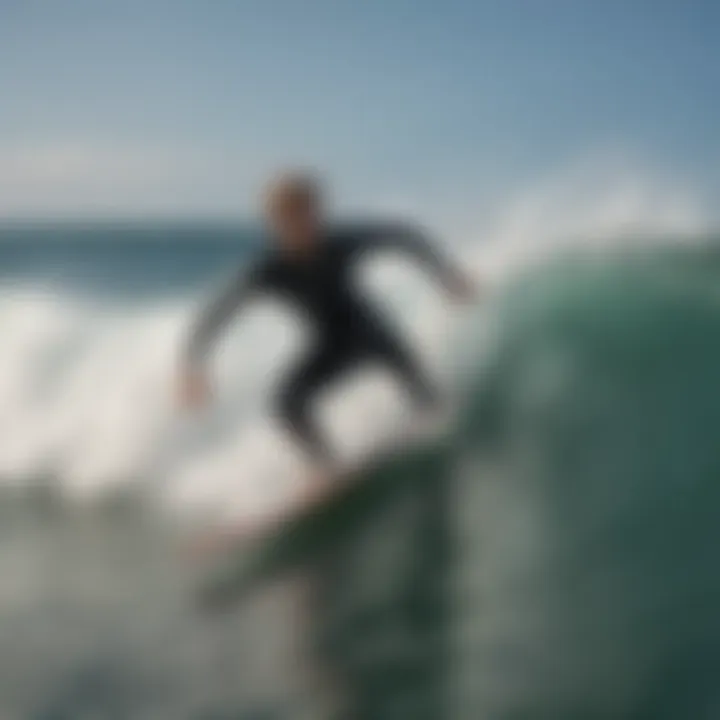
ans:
(562, 542)
(86, 378)
(583, 476)
(592, 505)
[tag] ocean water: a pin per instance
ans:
(552, 559)
(122, 260)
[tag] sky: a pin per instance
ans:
(185, 106)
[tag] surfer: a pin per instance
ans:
(310, 264)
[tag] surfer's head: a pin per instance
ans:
(293, 209)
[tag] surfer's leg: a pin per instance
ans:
(400, 360)
(297, 393)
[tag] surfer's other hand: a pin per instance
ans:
(194, 389)
(461, 288)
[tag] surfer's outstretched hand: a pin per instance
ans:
(194, 389)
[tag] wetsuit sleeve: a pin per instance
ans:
(405, 239)
(218, 313)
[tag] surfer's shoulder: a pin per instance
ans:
(360, 233)
(348, 237)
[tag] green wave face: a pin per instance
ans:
(592, 512)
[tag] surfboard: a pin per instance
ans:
(320, 519)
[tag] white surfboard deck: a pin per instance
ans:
(331, 506)
(322, 486)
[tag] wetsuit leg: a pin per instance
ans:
(393, 353)
(316, 370)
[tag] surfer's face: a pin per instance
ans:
(293, 214)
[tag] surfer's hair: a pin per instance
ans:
(296, 187)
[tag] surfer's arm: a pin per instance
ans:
(416, 243)
(215, 317)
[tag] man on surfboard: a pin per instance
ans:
(310, 263)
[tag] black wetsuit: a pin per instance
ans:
(348, 331)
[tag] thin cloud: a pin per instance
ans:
(80, 179)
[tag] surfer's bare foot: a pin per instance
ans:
(320, 476)
(315, 488)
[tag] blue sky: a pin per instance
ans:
(163, 105)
